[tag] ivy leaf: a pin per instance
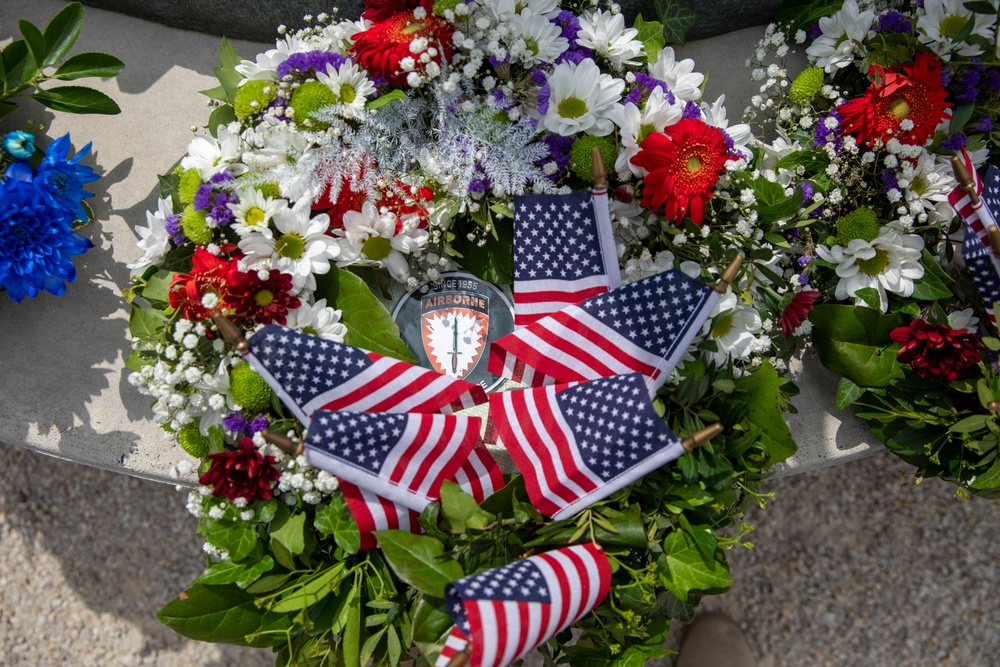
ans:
(628, 529)
(158, 286)
(677, 18)
(291, 533)
(419, 561)
(854, 342)
(847, 393)
(368, 323)
(237, 537)
(222, 614)
(651, 36)
(636, 656)
(226, 73)
(980, 7)
(145, 323)
(870, 296)
(222, 115)
(460, 511)
(683, 568)
(430, 620)
(334, 518)
(934, 283)
(760, 391)
(961, 117)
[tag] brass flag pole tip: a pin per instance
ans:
(994, 235)
(729, 275)
(700, 437)
(460, 659)
(230, 333)
(994, 406)
(282, 442)
(964, 178)
(597, 169)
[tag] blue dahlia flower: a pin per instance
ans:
(19, 145)
(36, 240)
(64, 179)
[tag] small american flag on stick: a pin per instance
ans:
(983, 266)
(502, 614)
(972, 199)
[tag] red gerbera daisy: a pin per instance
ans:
(797, 310)
(915, 94)
(209, 275)
(684, 164)
(381, 48)
(380, 10)
(261, 301)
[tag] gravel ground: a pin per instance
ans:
(851, 566)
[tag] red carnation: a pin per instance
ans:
(684, 164)
(209, 275)
(936, 350)
(381, 48)
(261, 301)
(915, 94)
(245, 473)
(796, 312)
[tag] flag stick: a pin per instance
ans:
(283, 442)
(994, 235)
(231, 333)
(598, 170)
(993, 406)
(700, 437)
(964, 179)
(460, 658)
(729, 275)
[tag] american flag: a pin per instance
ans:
(403, 458)
(502, 614)
(479, 476)
(578, 444)
(985, 271)
(643, 327)
(979, 218)
(564, 252)
(311, 373)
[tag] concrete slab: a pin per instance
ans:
(62, 379)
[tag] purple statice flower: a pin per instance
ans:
(651, 84)
(479, 185)
(220, 211)
(946, 76)
(991, 79)
(815, 31)
(279, 103)
(807, 191)
(203, 197)
(539, 77)
(633, 97)
(224, 176)
(691, 110)
(969, 82)
(570, 24)
(558, 152)
(259, 423)
(498, 62)
(792, 233)
(985, 124)
(503, 102)
(894, 23)
(173, 227)
(805, 259)
(890, 180)
(544, 93)
(956, 142)
(235, 423)
(575, 55)
(803, 279)
(315, 61)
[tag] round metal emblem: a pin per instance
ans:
(450, 325)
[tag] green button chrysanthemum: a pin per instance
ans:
(188, 185)
(192, 441)
(806, 85)
(306, 100)
(195, 226)
(248, 389)
(858, 224)
(253, 97)
(581, 158)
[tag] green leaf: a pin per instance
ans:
(651, 36)
(226, 72)
(419, 561)
(636, 656)
(351, 642)
(241, 574)
(870, 296)
(970, 424)
(291, 533)
(35, 41)
(146, 323)
(989, 479)
(334, 518)
(62, 32)
(223, 115)
(677, 18)
(772, 203)
(494, 261)
(961, 117)
(77, 99)
(83, 65)
(382, 100)
(135, 361)
(847, 393)
(854, 341)
(430, 620)
(813, 161)
(327, 286)
(801, 15)
(460, 511)
(158, 286)
(684, 568)
(237, 537)
(18, 67)
(315, 590)
(760, 392)
(368, 323)
(628, 528)
(222, 614)
(934, 283)
(980, 7)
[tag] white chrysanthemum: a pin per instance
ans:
(843, 34)
(371, 239)
(715, 115)
(282, 145)
(734, 327)
(351, 85)
(535, 40)
(581, 99)
(657, 114)
(317, 319)
(929, 182)
(504, 10)
(218, 403)
(889, 263)
(265, 68)
(154, 240)
(211, 155)
(773, 152)
(942, 20)
(605, 33)
(301, 247)
(964, 319)
(339, 36)
(253, 212)
(679, 76)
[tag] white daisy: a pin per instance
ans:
(535, 40)
(679, 76)
(211, 155)
(941, 22)
(889, 263)
(154, 240)
(302, 247)
(253, 212)
(734, 327)
(504, 10)
(217, 401)
(317, 319)
(843, 34)
(656, 115)
(715, 115)
(928, 183)
(265, 67)
(371, 239)
(964, 319)
(351, 86)
(581, 99)
(605, 33)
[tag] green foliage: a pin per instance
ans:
(369, 324)
(854, 341)
(494, 260)
(222, 614)
(419, 560)
(651, 35)
(802, 14)
(677, 18)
